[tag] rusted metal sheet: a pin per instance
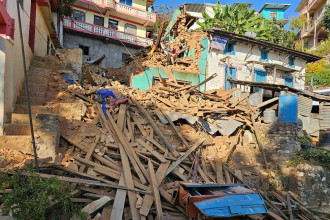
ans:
(305, 105)
(324, 112)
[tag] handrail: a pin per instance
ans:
(106, 32)
(125, 9)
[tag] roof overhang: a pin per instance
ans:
(301, 5)
(283, 7)
(264, 44)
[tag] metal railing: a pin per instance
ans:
(125, 9)
(106, 32)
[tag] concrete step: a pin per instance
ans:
(34, 100)
(17, 129)
(32, 93)
(38, 79)
(21, 118)
(47, 145)
(36, 86)
(35, 109)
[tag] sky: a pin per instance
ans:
(256, 4)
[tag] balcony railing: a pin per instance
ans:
(106, 32)
(125, 9)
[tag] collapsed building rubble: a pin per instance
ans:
(131, 159)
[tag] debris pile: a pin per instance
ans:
(147, 147)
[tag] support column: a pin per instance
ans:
(2, 82)
(274, 76)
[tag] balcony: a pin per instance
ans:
(123, 9)
(106, 32)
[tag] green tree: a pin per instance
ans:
(326, 18)
(238, 19)
(297, 23)
(64, 7)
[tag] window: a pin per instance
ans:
(230, 48)
(291, 61)
(264, 55)
(273, 14)
(130, 28)
(113, 24)
(126, 2)
(78, 15)
(98, 20)
(84, 49)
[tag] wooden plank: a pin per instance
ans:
(140, 127)
(175, 164)
(267, 102)
(106, 212)
(121, 117)
(81, 200)
(119, 201)
(160, 157)
(155, 191)
(289, 206)
(89, 153)
(137, 165)
(160, 147)
(129, 183)
(203, 82)
(89, 182)
(96, 156)
(275, 216)
(219, 171)
(96, 205)
(177, 132)
(205, 170)
(203, 175)
(170, 147)
(256, 131)
(148, 199)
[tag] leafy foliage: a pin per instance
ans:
(297, 23)
(323, 49)
(326, 18)
(30, 197)
(283, 37)
(239, 19)
(320, 72)
(316, 156)
(64, 7)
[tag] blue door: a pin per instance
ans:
(288, 81)
(260, 76)
(230, 75)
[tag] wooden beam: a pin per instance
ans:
(169, 146)
(160, 157)
(155, 191)
(219, 171)
(248, 53)
(129, 183)
(149, 198)
(267, 102)
(175, 164)
(119, 201)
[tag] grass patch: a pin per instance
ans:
(315, 156)
(31, 196)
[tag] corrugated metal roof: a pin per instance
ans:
(324, 112)
(305, 105)
(228, 126)
(174, 116)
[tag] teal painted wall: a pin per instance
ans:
(266, 13)
(144, 81)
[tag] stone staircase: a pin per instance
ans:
(17, 135)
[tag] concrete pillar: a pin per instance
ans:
(2, 82)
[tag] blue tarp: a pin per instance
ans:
(232, 205)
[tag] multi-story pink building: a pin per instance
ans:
(312, 32)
